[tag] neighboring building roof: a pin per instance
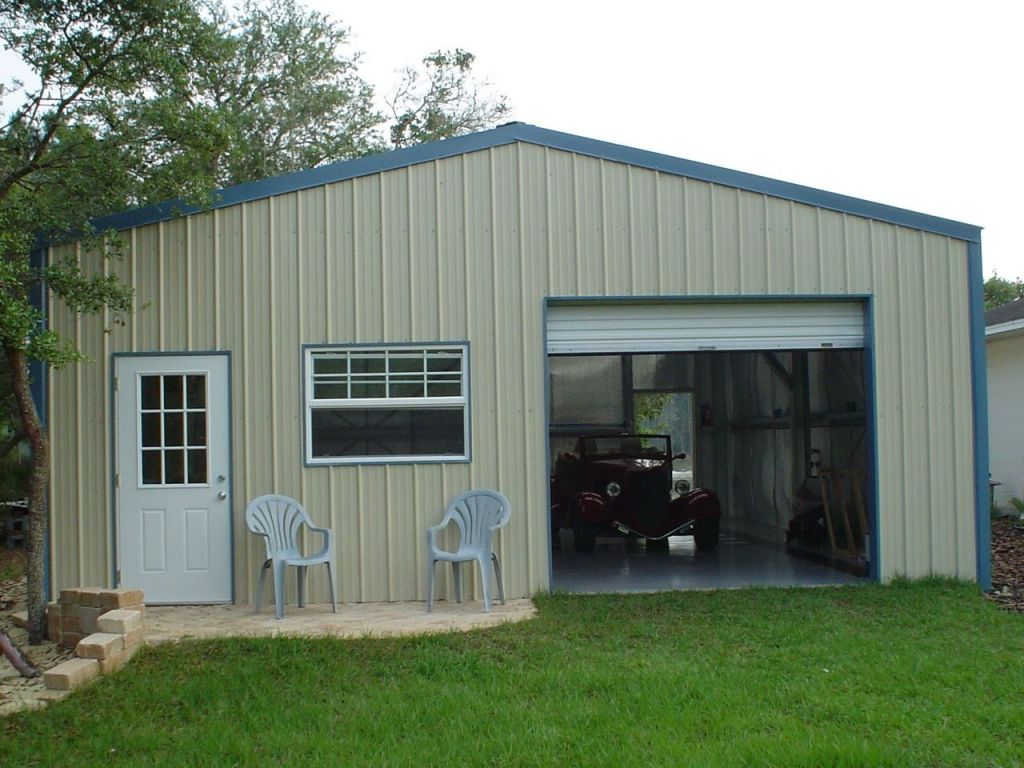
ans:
(522, 132)
(1006, 319)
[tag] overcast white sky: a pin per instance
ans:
(914, 104)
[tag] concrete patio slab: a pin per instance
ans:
(172, 623)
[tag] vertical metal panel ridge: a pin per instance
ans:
(275, 255)
(979, 402)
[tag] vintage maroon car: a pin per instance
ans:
(623, 484)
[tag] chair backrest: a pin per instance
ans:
(476, 513)
(278, 519)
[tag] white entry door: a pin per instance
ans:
(173, 489)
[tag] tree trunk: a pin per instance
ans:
(38, 517)
(16, 657)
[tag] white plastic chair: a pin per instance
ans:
(278, 519)
(478, 514)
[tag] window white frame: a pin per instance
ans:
(333, 391)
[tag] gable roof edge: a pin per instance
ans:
(523, 132)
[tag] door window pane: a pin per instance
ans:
(196, 385)
(150, 393)
(151, 432)
(197, 466)
(174, 467)
(197, 430)
(152, 467)
(174, 431)
(172, 392)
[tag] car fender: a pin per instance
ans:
(699, 504)
(590, 508)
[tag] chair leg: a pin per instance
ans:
(279, 569)
(431, 567)
(497, 575)
(457, 576)
(259, 584)
(485, 582)
(330, 583)
(302, 585)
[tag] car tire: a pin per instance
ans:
(657, 545)
(705, 534)
(584, 536)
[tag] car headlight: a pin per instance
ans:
(613, 489)
(682, 487)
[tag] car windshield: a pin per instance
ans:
(639, 446)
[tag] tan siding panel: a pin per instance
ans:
(780, 272)
(889, 401)
(671, 234)
(832, 258)
(700, 249)
(396, 257)
(616, 213)
(752, 252)
(859, 261)
(425, 295)
(588, 190)
(562, 223)
(202, 260)
(175, 301)
(806, 249)
(726, 241)
(451, 250)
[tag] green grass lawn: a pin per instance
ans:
(919, 674)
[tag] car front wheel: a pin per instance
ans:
(584, 536)
(705, 534)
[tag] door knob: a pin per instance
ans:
(222, 495)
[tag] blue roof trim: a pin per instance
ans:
(512, 132)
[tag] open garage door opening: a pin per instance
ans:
(708, 468)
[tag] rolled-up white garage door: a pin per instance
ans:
(698, 326)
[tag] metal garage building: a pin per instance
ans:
(276, 336)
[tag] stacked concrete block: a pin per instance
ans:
(77, 612)
(114, 619)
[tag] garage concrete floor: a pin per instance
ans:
(618, 565)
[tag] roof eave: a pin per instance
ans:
(1010, 328)
(522, 132)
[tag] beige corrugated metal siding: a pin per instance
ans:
(467, 248)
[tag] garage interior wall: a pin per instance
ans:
(469, 247)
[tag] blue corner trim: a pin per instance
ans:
(513, 132)
(871, 413)
(979, 392)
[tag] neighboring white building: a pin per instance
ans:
(1004, 347)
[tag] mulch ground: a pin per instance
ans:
(1008, 564)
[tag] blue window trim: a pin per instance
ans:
(371, 461)
(522, 132)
